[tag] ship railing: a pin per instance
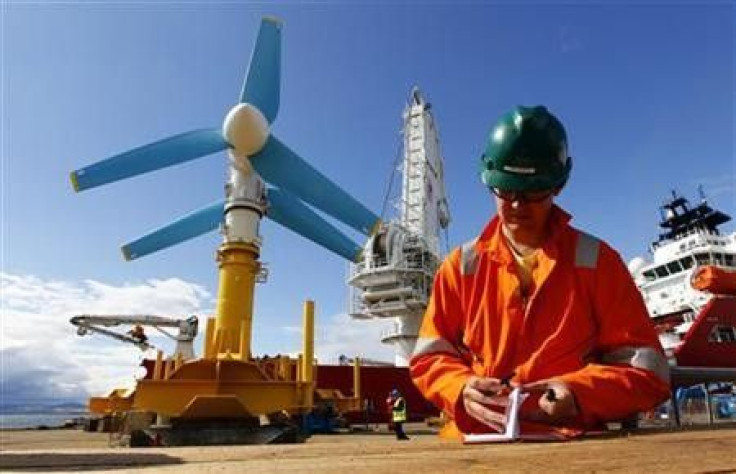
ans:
(693, 231)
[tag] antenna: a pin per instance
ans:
(701, 193)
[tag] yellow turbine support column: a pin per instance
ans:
(356, 379)
(168, 368)
(308, 360)
(157, 374)
(300, 368)
(209, 340)
(234, 313)
(244, 339)
(178, 360)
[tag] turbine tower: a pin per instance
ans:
(394, 279)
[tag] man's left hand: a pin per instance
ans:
(556, 404)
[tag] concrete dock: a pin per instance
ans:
(689, 450)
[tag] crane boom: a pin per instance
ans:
(83, 330)
(93, 323)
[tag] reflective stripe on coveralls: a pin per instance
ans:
(641, 358)
(428, 345)
(586, 251)
(586, 256)
(468, 258)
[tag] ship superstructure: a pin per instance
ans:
(394, 279)
(690, 240)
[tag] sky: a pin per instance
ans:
(646, 93)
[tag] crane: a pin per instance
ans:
(91, 323)
(394, 278)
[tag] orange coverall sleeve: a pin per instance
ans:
(438, 368)
(611, 391)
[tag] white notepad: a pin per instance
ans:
(516, 398)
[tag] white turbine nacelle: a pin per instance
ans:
(246, 129)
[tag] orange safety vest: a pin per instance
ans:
(584, 324)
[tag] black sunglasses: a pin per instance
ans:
(522, 196)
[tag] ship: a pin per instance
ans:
(689, 286)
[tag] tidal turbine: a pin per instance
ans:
(228, 383)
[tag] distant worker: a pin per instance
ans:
(537, 304)
(398, 414)
(138, 334)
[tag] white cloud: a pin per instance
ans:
(352, 337)
(42, 357)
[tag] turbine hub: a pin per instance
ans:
(246, 130)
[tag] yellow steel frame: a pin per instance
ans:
(117, 401)
(228, 382)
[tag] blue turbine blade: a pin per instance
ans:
(167, 152)
(192, 225)
(280, 166)
(293, 214)
(263, 81)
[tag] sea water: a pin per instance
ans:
(35, 420)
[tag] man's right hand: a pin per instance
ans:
(481, 392)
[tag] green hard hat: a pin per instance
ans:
(526, 151)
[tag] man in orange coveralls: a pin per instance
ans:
(536, 303)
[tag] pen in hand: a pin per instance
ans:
(506, 381)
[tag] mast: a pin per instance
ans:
(424, 210)
(394, 279)
(680, 219)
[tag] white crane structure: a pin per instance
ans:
(394, 278)
(90, 323)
